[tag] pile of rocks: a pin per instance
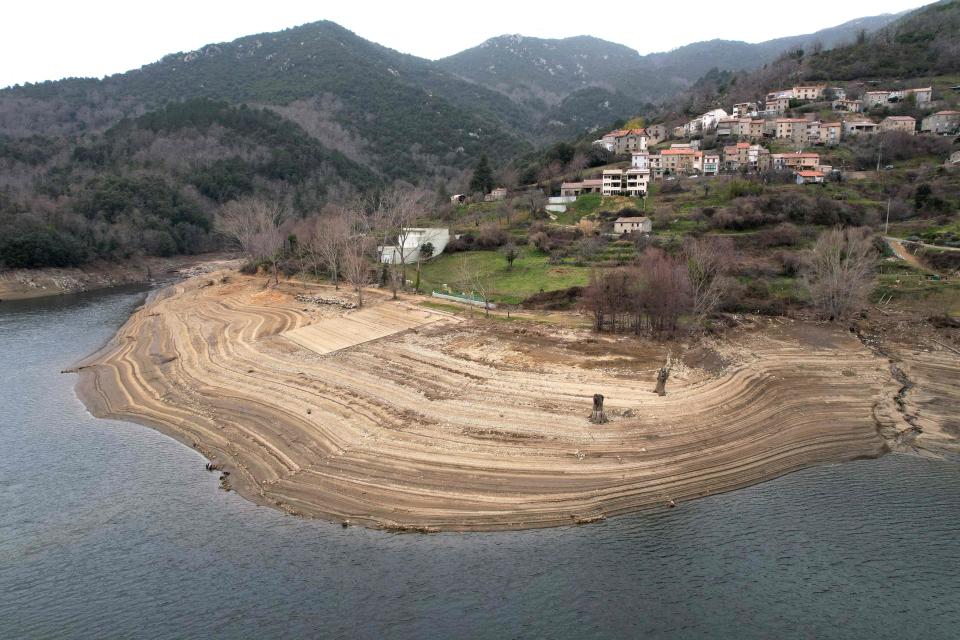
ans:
(340, 302)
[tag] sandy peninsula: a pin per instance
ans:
(406, 417)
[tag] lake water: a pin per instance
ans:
(111, 530)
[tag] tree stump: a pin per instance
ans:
(598, 416)
(662, 376)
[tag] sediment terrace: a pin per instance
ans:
(403, 417)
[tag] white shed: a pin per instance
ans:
(640, 224)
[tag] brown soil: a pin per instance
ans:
(455, 423)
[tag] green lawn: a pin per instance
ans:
(531, 274)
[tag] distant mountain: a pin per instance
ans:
(539, 71)
(923, 42)
(398, 114)
(554, 76)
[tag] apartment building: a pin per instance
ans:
(633, 182)
(921, 95)
(746, 156)
(745, 110)
(777, 106)
(905, 124)
(711, 164)
(623, 141)
(831, 133)
(799, 161)
(941, 123)
(794, 129)
(679, 160)
(809, 92)
(656, 133)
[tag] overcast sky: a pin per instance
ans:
(48, 40)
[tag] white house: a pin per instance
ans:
(632, 225)
(808, 177)
(413, 239)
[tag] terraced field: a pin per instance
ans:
(448, 423)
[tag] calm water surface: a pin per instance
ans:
(111, 530)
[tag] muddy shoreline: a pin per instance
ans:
(464, 424)
(25, 284)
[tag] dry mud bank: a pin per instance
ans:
(401, 417)
(20, 284)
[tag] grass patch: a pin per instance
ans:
(531, 273)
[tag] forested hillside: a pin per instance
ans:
(141, 162)
(922, 44)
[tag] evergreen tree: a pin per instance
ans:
(482, 180)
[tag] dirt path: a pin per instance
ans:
(901, 252)
(479, 425)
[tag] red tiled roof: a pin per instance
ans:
(809, 174)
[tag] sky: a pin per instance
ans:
(52, 39)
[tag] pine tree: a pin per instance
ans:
(482, 180)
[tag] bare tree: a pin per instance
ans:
(472, 278)
(840, 272)
(664, 291)
(326, 239)
(394, 216)
(708, 262)
(254, 225)
(359, 250)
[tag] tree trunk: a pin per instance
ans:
(662, 376)
(276, 273)
(598, 416)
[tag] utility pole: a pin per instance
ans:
(886, 226)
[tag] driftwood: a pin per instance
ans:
(598, 416)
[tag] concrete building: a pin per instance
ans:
(921, 96)
(907, 124)
(656, 133)
(640, 224)
(831, 133)
(746, 156)
(637, 182)
(799, 161)
(500, 193)
(413, 241)
(578, 188)
(711, 164)
(850, 106)
(809, 92)
(794, 129)
(859, 127)
(632, 182)
(613, 180)
(941, 123)
(678, 160)
(623, 141)
(745, 110)
(777, 106)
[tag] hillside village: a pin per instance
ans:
(769, 175)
